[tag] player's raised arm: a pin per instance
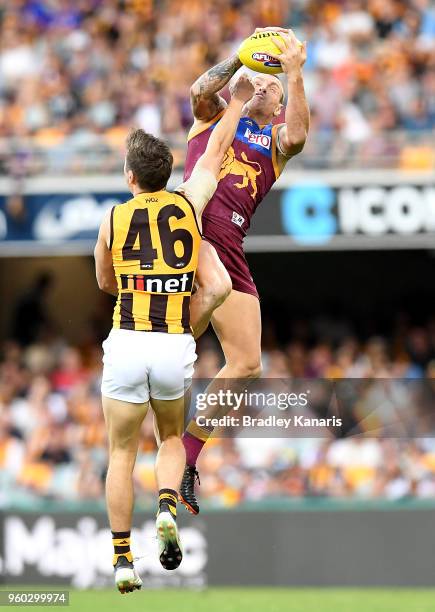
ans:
(202, 183)
(223, 134)
(293, 134)
(103, 258)
(204, 97)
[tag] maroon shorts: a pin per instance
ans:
(232, 256)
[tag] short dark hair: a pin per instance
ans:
(150, 160)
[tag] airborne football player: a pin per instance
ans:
(253, 163)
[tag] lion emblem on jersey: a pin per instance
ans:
(247, 170)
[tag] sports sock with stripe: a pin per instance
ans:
(168, 501)
(194, 439)
(121, 546)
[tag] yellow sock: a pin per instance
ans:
(121, 546)
(168, 501)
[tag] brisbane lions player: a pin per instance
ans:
(252, 164)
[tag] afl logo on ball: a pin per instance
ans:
(266, 60)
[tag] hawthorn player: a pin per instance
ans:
(252, 164)
(150, 352)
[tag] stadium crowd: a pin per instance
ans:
(75, 75)
(53, 441)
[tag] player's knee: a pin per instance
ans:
(123, 452)
(173, 438)
(122, 442)
(217, 291)
(254, 370)
(223, 287)
(250, 368)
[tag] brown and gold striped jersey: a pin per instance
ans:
(154, 239)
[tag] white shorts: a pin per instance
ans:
(139, 365)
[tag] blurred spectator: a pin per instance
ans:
(53, 439)
(31, 317)
(96, 67)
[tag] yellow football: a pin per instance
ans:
(254, 52)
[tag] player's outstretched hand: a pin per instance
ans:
(293, 52)
(242, 89)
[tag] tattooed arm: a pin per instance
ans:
(205, 100)
(202, 183)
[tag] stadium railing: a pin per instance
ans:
(95, 153)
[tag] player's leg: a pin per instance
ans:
(123, 422)
(214, 286)
(170, 462)
(169, 378)
(170, 459)
(237, 323)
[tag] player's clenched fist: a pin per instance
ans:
(242, 89)
(293, 52)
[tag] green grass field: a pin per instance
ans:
(254, 600)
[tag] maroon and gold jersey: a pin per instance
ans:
(248, 172)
